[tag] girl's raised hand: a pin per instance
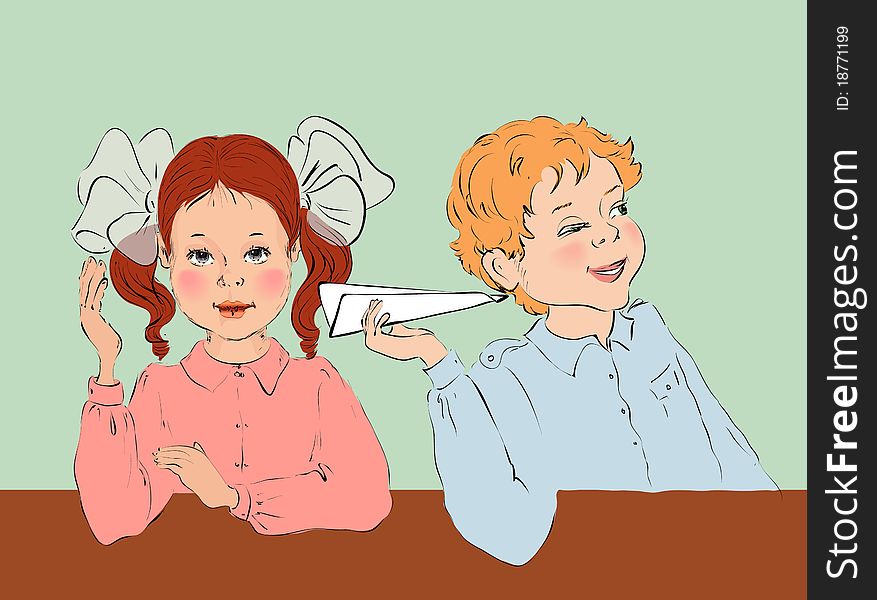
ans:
(92, 284)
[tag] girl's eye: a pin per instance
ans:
(200, 258)
(572, 228)
(621, 209)
(257, 255)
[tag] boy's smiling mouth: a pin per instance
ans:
(231, 309)
(608, 273)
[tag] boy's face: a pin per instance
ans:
(585, 250)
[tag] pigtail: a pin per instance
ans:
(326, 263)
(136, 284)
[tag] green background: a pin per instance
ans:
(712, 94)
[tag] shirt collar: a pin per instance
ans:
(208, 372)
(564, 353)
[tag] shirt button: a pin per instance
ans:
(668, 386)
(635, 444)
(623, 411)
(611, 376)
(238, 374)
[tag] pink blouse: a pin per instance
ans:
(287, 434)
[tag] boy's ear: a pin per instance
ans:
(163, 257)
(501, 268)
(294, 250)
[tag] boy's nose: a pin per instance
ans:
(607, 232)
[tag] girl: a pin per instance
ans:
(282, 442)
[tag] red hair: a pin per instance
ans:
(245, 164)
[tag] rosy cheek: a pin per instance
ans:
(191, 284)
(630, 232)
(571, 255)
(633, 238)
(272, 283)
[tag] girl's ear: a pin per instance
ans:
(501, 269)
(294, 250)
(163, 257)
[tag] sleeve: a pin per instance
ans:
(504, 508)
(347, 485)
(120, 488)
(738, 462)
(739, 466)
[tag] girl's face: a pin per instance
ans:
(230, 270)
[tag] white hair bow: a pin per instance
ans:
(118, 190)
(337, 181)
(119, 187)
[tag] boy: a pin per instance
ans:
(595, 395)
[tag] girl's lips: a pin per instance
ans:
(232, 310)
(608, 273)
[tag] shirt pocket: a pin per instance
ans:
(667, 385)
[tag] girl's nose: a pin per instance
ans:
(228, 279)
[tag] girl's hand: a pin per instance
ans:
(92, 284)
(401, 343)
(197, 473)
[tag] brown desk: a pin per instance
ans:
(603, 545)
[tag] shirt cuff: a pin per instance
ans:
(105, 395)
(242, 510)
(445, 371)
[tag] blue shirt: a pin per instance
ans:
(545, 413)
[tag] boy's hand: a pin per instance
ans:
(401, 343)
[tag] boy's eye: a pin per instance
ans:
(200, 258)
(257, 255)
(621, 209)
(572, 228)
